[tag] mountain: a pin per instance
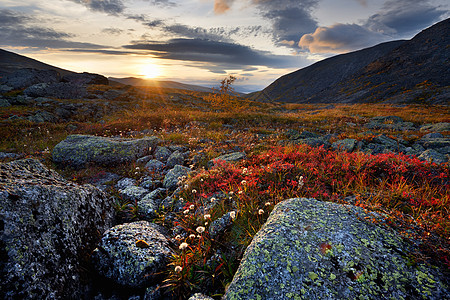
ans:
(10, 62)
(160, 83)
(410, 71)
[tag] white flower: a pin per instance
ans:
(243, 182)
(206, 223)
(300, 181)
(200, 229)
(244, 171)
(268, 204)
(186, 186)
(260, 212)
(240, 192)
(183, 246)
(178, 237)
(194, 191)
(181, 199)
(207, 216)
(233, 215)
(213, 199)
(191, 206)
(186, 211)
(178, 269)
(192, 236)
(231, 193)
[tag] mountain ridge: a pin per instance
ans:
(389, 72)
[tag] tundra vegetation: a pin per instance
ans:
(412, 195)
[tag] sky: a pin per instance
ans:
(203, 41)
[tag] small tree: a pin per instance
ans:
(225, 94)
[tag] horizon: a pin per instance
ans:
(255, 41)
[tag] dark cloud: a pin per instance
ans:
(398, 19)
(220, 55)
(17, 29)
(111, 7)
(339, 38)
(290, 18)
(112, 31)
(405, 17)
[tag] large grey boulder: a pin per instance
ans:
(48, 227)
(173, 176)
(79, 150)
(437, 127)
(309, 249)
(26, 77)
(132, 254)
(85, 78)
(230, 157)
(61, 90)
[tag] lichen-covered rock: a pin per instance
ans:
(42, 116)
(176, 158)
(437, 127)
(60, 90)
(218, 227)
(345, 145)
(79, 150)
(321, 250)
(85, 78)
(162, 153)
(4, 102)
(199, 296)
(154, 166)
(25, 77)
(48, 226)
(133, 193)
(431, 155)
(230, 157)
(173, 176)
(132, 254)
(125, 182)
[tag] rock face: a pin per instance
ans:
(23, 78)
(47, 227)
(85, 78)
(132, 254)
(79, 150)
(322, 250)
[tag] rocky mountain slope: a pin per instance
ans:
(161, 83)
(400, 71)
(11, 62)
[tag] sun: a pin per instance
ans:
(151, 71)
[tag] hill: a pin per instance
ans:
(10, 62)
(160, 83)
(399, 71)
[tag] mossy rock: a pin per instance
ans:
(309, 249)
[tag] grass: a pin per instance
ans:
(412, 195)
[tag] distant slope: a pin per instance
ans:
(393, 72)
(9, 62)
(162, 84)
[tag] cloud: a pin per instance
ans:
(362, 2)
(290, 18)
(163, 3)
(339, 38)
(222, 6)
(112, 31)
(111, 7)
(218, 55)
(17, 29)
(405, 17)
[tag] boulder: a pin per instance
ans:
(4, 102)
(133, 193)
(125, 182)
(85, 78)
(230, 157)
(432, 155)
(42, 116)
(61, 90)
(176, 158)
(438, 127)
(347, 145)
(132, 254)
(23, 78)
(321, 250)
(48, 227)
(390, 122)
(79, 150)
(162, 153)
(154, 166)
(173, 176)
(199, 296)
